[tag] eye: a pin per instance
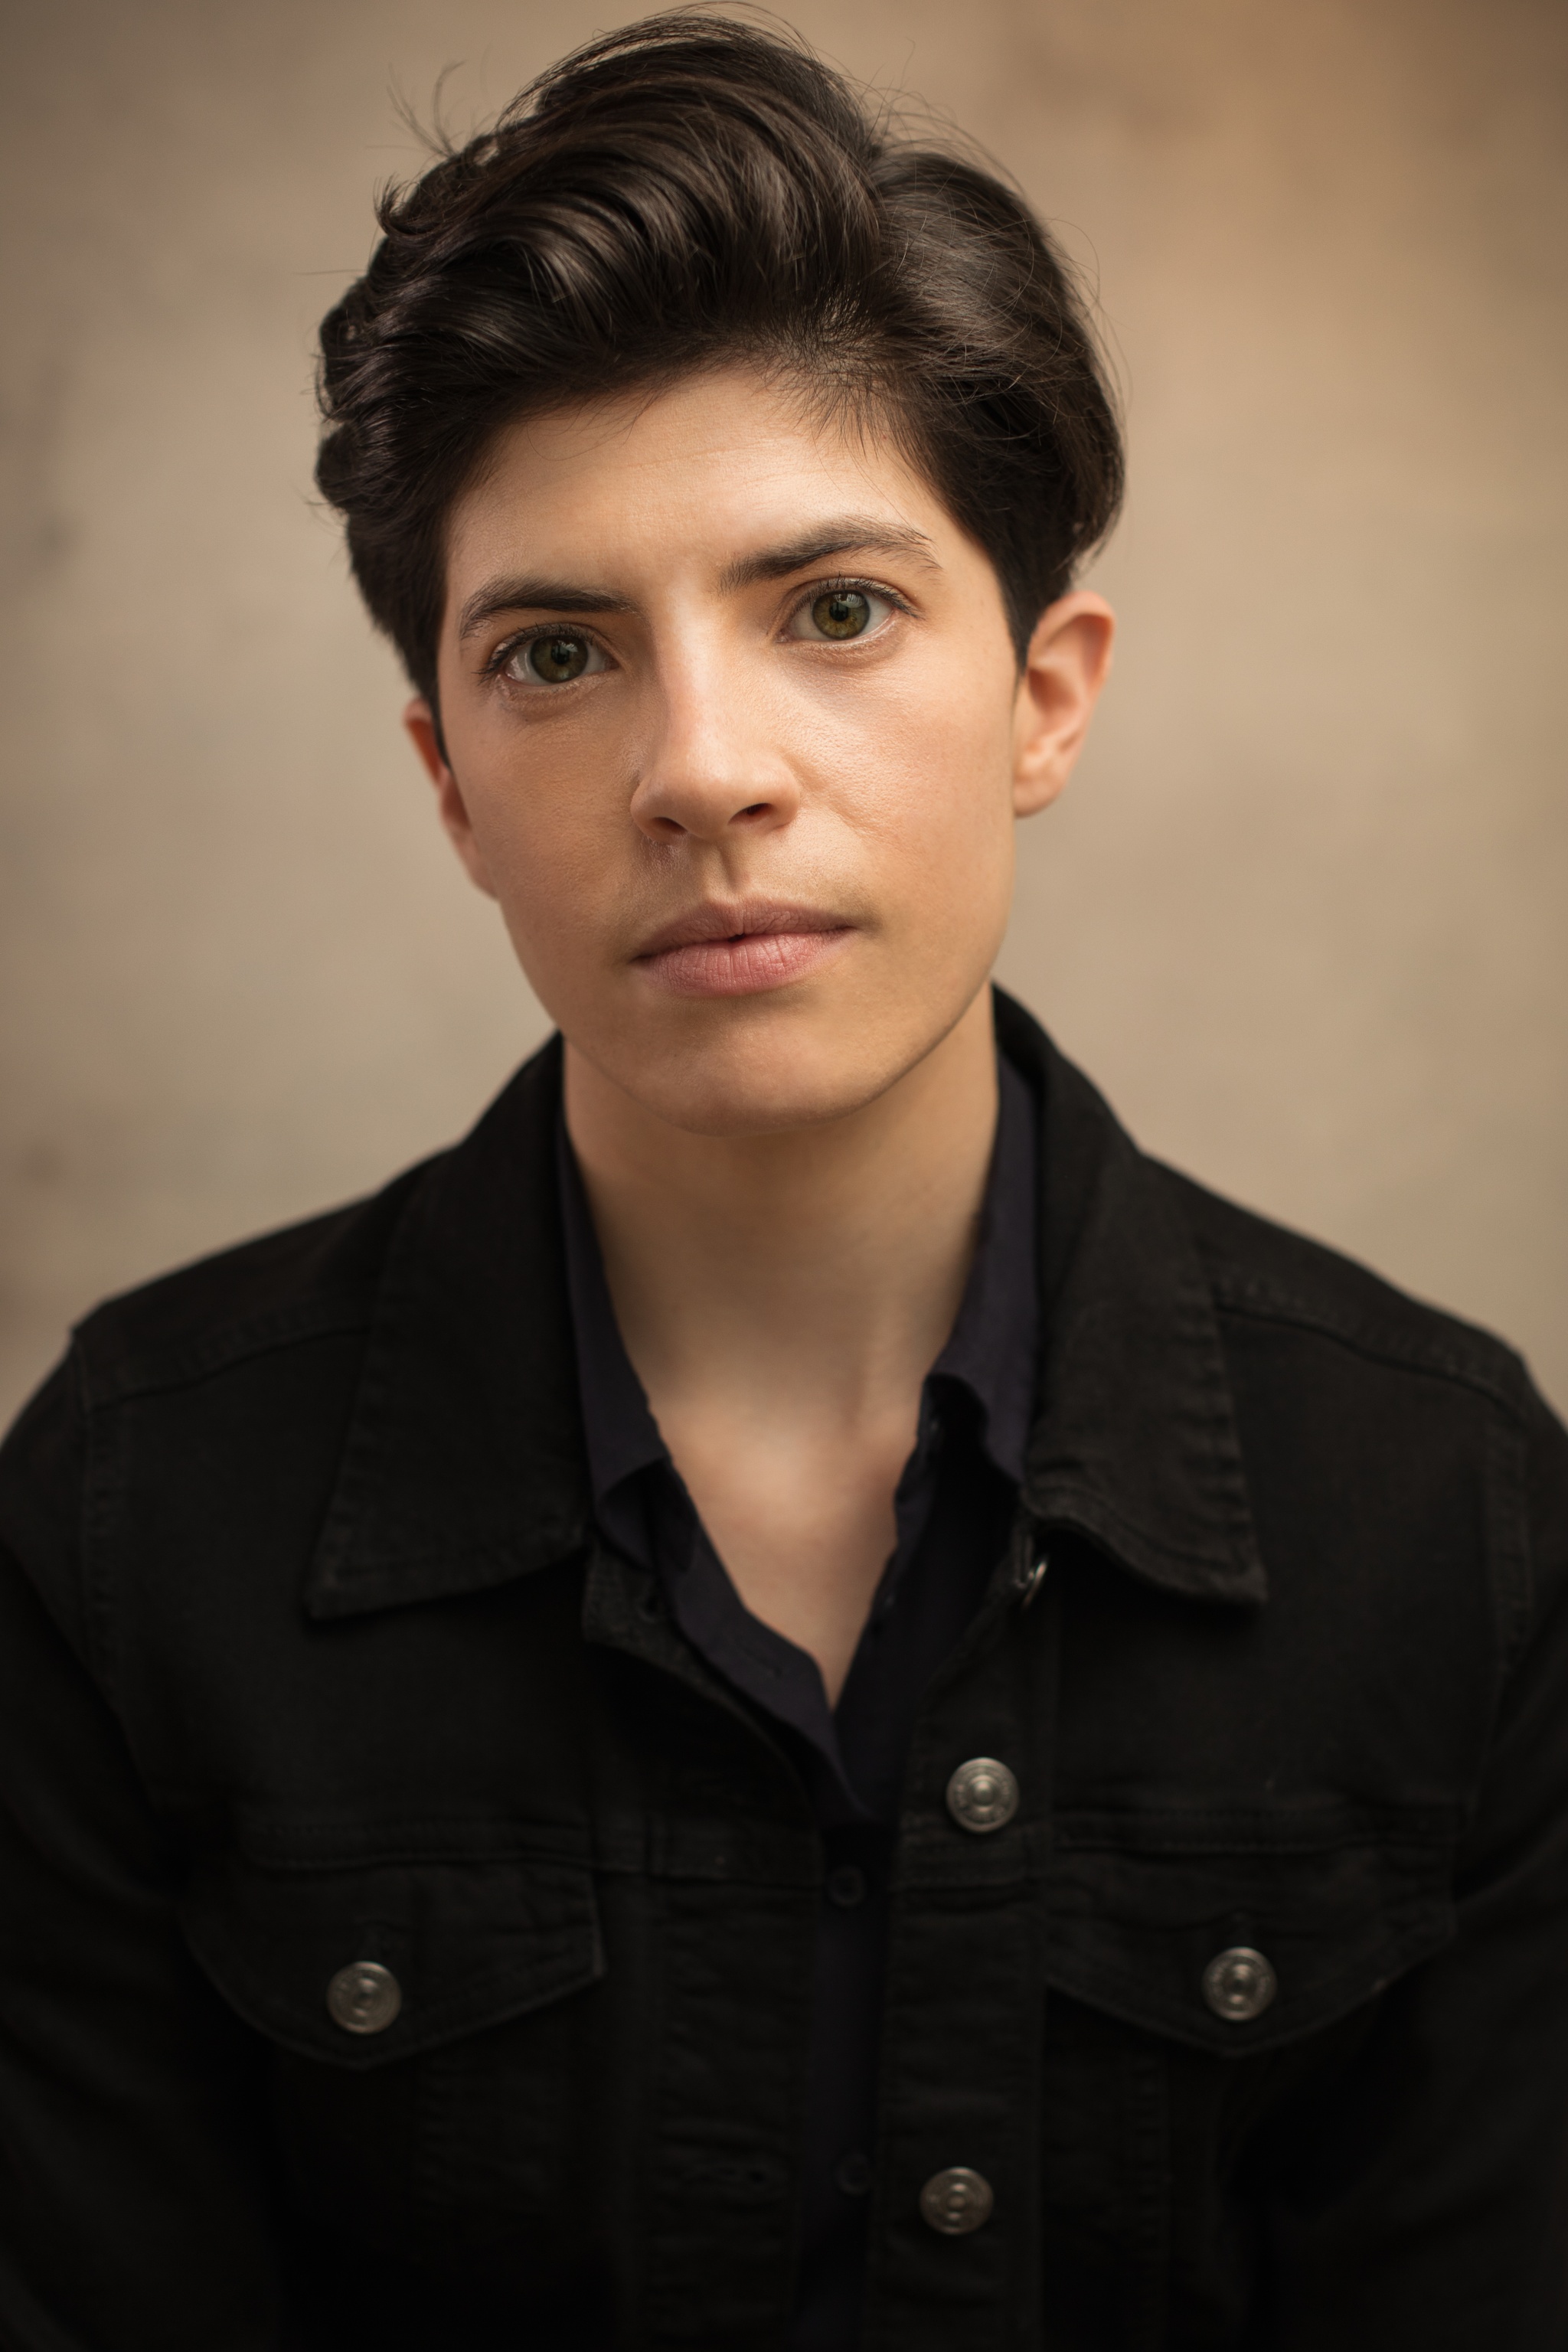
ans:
(554, 658)
(837, 615)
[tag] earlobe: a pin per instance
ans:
(420, 725)
(1066, 664)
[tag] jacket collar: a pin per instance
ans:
(1134, 1441)
(464, 1463)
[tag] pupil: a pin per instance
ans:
(558, 658)
(842, 613)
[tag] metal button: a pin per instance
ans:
(982, 1795)
(845, 1885)
(1239, 1984)
(853, 2173)
(956, 2202)
(1029, 1583)
(364, 1998)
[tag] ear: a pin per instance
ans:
(426, 736)
(1066, 665)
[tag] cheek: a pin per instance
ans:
(551, 834)
(539, 834)
(928, 781)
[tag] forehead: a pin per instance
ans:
(693, 476)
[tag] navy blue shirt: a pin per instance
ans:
(953, 1511)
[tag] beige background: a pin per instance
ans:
(1305, 915)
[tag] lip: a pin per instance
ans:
(740, 950)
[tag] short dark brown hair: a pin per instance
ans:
(683, 192)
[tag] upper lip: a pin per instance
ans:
(744, 920)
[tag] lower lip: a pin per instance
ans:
(744, 966)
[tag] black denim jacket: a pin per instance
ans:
(310, 1659)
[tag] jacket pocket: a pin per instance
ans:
(1236, 1934)
(357, 1965)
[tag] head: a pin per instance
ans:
(720, 464)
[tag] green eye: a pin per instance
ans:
(841, 612)
(557, 659)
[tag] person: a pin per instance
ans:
(793, 1700)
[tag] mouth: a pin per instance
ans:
(740, 950)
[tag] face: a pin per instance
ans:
(736, 735)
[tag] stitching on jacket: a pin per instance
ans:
(192, 1360)
(1252, 1295)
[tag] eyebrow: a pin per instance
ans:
(844, 535)
(527, 595)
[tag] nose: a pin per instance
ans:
(711, 771)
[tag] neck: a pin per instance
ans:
(814, 1273)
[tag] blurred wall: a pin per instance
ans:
(1305, 912)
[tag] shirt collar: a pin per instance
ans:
(990, 1352)
(618, 1427)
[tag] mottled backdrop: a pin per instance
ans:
(1305, 912)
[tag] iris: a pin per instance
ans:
(841, 613)
(558, 659)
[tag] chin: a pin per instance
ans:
(755, 1078)
(703, 1100)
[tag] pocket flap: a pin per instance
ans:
(1239, 1946)
(451, 1947)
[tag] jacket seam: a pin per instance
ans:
(1387, 1828)
(1244, 1296)
(1510, 1562)
(98, 1599)
(239, 1343)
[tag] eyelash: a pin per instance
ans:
(511, 646)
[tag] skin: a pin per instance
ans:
(785, 1131)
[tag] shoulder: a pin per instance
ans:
(1376, 1424)
(319, 1278)
(282, 1288)
(1264, 1275)
(1267, 1274)
(224, 1382)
